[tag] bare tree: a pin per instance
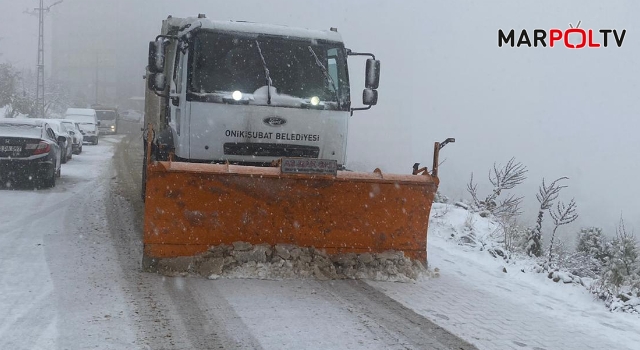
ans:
(546, 195)
(562, 216)
(502, 178)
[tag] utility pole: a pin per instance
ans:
(97, 76)
(39, 11)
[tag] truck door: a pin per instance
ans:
(178, 104)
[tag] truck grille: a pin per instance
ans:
(270, 150)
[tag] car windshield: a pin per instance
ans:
(106, 115)
(82, 119)
(301, 69)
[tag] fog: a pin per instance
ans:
(561, 112)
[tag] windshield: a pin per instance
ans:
(223, 63)
(82, 119)
(106, 115)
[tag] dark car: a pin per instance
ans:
(29, 150)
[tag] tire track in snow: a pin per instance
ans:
(399, 326)
(170, 312)
(17, 332)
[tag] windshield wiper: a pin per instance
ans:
(326, 75)
(266, 73)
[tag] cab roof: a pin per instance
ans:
(254, 28)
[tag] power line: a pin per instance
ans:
(39, 11)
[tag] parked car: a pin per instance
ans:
(132, 116)
(29, 149)
(88, 121)
(61, 132)
(74, 130)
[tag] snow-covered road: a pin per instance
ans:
(70, 279)
(57, 274)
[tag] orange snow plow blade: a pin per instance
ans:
(192, 207)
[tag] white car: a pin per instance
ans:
(66, 147)
(74, 129)
(132, 116)
(88, 121)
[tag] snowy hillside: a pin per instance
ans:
(497, 303)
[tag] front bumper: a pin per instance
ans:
(108, 130)
(90, 138)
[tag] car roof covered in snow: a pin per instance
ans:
(256, 28)
(21, 121)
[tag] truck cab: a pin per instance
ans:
(108, 117)
(248, 93)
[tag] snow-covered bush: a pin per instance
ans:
(441, 198)
(591, 253)
(619, 284)
(591, 242)
(512, 235)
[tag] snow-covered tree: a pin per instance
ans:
(623, 267)
(620, 280)
(545, 196)
(502, 179)
(591, 242)
(8, 84)
(591, 253)
(563, 215)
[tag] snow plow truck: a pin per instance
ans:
(245, 143)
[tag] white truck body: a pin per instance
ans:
(238, 117)
(87, 121)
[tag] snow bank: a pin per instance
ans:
(469, 236)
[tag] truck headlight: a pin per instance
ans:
(113, 128)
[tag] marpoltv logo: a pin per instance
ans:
(572, 38)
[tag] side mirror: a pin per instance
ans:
(372, 74)
(62, 139)
(369, 97)
(72, 132)
(157, 82)
(156, 56)
(98, 123)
